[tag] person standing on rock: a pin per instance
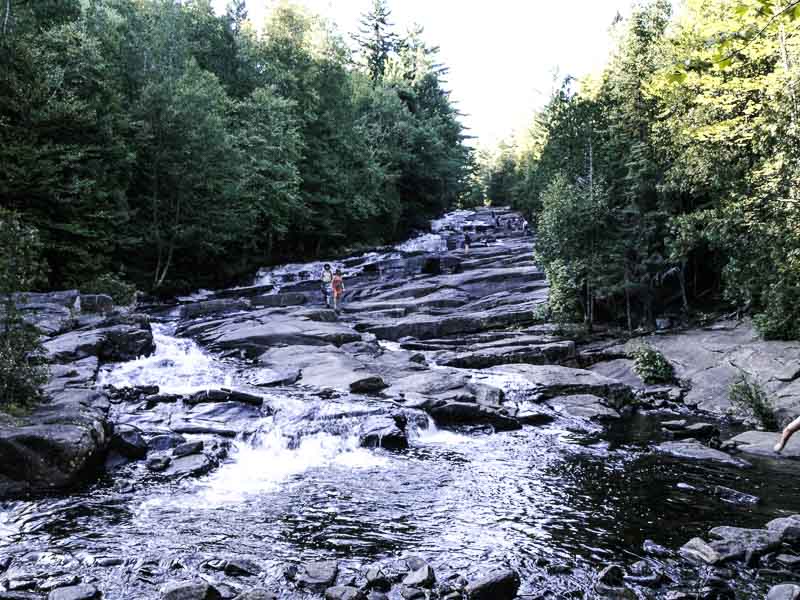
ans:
(337, 284)
(467, 242)
(790, 430)
(325, 284)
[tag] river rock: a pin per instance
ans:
(735, 497)
(256, 595)
(129, 442)
(785, 591)
(75, 592)
(343, 592)
(385, 432)
(317, 576)
(189, 466)
(788, 528)
(166, 441)
(699, 551)
(266, 377)
(214, 396)
(502, 584)
(584, 406)
(694, 450)
(422, 577)
(97, 303)
(189, 590)
(736, 542)
(208, 308)
(188, 448)
(467, 413)
(274, 300)
(61, 443)
(119, 339)
(368, 385)
(761, 443)
(157, 464)
(377, 579)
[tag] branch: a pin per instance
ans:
(775, 17)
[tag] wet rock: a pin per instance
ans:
(8, 595)
(212, 396)
(122, 339)
(377, 580)
(676, 425)
(535, 417)
(157, 464)
(642, 573)
(422, 577)
(128, 442)
(694, 450)
(213, 307)
(266, 377)
(75, 592)
(584, 406)
(412, 593)
(368, 385)
(97, 303)
(736, 497)
(189, 590)
(788, 528)
(373, 595)
(317, 576)
(189, 466)
(698, 551)
(61, 581)
(280, 300)
(167, 441)
(788, 560)
(256, 595)
(414, 563)
(502, 584)
(187, 449)
(385, 432)
(737, 542)
(653, 549)
(467, 413)
(241, 566)
(343, 592)
(785, 591)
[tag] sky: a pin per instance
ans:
(503, 55)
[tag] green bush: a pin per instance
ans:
(651, 365)
(751, 401)
(122, 292)
(22, 371)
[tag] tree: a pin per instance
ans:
(376, 40)
(21, 370)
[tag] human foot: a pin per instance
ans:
(779, 446)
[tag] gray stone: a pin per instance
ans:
(75, 592)
(343, 592)
(762, 443)
(166, 441)
(129, 442)
(693, 450)
(736, 497)
(189, 466)
(698, 551)
(188, 448)
(158, 464)
(317, 576)
(502, 584)
(422, 577)
(785, 591)
(97, 303)
(788, 528)
(189, 590)
(368, 385)
(256, 595)
(584, 406)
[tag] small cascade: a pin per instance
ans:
(178, 366)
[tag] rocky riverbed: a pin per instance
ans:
(432, 440)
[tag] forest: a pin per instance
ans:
(157, 144)
(667, 184)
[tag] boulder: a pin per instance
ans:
(762, 443)
(368, 385)
(788, 528)
(75, 592)
(502, 584)
(117, 340)
(193, 465)
(468, 413)
(693, 450)
(266, 377)
(209, 308)
(188, 448)
(422, 577)
(343, 592)
(699, 551)
(223, 395)
(277, 300)
(129, 442)
(165, 441)
(317, 576)
(737, 542)
(385, 432)
(785, 591)
(584, 406)
(189, 590)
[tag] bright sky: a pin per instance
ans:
(502, 54)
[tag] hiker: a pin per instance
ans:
(467, 242)
(337, 284)
(790, 430)
(325, 284)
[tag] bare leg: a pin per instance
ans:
(790, 430)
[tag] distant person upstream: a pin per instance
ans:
(325, 284)
(337, 284)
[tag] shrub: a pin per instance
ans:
(122, 292)
(22, 371)
(750, 400)
(651, 365)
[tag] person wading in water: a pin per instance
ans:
(325, 284)
(337, 284)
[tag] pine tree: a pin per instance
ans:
(376, 40)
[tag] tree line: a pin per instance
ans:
(668, 183)
(158, 143)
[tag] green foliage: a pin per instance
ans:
(652, 366)
(153, 137)
(751, 401)
(114, 285)
(21, 369)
